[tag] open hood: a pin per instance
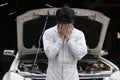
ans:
(30, 26)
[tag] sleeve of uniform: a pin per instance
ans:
(51, 48)
(78, 46)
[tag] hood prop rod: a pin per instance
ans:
(34, 66)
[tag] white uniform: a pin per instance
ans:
(63, 55)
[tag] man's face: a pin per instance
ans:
(65, 30)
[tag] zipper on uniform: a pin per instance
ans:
(63, 57)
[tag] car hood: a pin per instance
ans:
(30, 27)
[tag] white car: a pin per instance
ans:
(30, 61)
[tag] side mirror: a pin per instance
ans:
(9, 52)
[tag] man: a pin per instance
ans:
(64, 45)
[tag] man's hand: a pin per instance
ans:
(61, 31)
(69, 29)
(65, 31)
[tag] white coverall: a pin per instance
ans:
(63, 55)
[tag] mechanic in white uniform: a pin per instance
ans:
(64, 45)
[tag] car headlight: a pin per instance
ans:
(15, 76)
(115, 76)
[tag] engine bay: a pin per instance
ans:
(91, 67)
(88, 65)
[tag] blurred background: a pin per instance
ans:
(10, 9)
